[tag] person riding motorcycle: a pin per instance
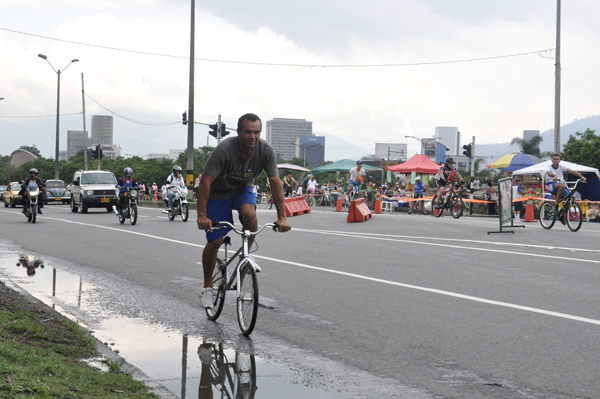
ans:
(32, 181)
(174, 179)
(123, 185)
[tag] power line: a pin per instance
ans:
(132, 120)
(539, 52)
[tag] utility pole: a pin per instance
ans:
(557, 69)
(85, 138)
(473, 157)
(189, 175)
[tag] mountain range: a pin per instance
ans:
(547, 144)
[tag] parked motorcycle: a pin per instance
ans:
(180, 204)
(131, 209)
(31, 207)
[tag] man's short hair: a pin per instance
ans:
(249, 116)
(555, 155)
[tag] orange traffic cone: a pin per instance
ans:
(155, 197)
(529, 212)
(338, 205)
(378, 204)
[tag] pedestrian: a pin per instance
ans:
(419, 187)
(492, 196)
(475, 184)
(593, 215)
(311, 188)
(517, 193)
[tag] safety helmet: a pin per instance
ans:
(359, 162)
(128, 172)
(33, 171)
(176, 168)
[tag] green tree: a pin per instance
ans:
(583, 148)
(32, 149)
(529, 146)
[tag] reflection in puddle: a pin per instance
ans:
(188, 366)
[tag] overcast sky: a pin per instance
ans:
(364, 71)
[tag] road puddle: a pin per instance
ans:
(188, 366)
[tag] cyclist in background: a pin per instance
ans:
(355, 177)
(556, 171)
(288, 184)
(444, 178)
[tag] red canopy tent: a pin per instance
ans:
(418, 163)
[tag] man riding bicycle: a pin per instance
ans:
(355, 177)
(226, 185)
(557, 185)
(444, 179)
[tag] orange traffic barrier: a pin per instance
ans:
(296, 206)
(359, 211)
(529, 212)
(378, 204)
(338, 204)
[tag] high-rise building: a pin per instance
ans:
(76, 141)
(450, 137)
(102, 129)
(391, 151)
(282, 134)
(312, 149)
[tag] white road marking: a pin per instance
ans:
(382, 281)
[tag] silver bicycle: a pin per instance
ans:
(243, 279)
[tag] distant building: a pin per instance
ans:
(76, 141)
(172, 155)
(392, 151)
(312, 149)
(530, 134)
(102, 130)
(282, 134)
(450, 137)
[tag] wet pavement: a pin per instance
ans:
(186, 364)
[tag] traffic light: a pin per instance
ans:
(99, 152)
(467, 151)
(94, 153)
(214, 128)
(224, 131)
(184, 118)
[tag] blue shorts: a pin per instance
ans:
(354, 183)
(221, 210)
(551, 188)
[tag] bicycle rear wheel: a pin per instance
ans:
(245, 370)
(456, 208)
(573, 215)
(437, 207)
(219, 280)
(547, 215)
(247, 303)
(269, 202)
(346, 203)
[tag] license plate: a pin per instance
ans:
(56, 198)
(105, 200)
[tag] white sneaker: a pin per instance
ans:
(207, 298)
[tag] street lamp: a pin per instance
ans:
(304, 148)
(58, 72)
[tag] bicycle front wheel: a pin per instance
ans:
(573, 215)
(219, 280)
(547, 215)
(245, 370)
(457, 207)
(269, 202)
(247, 302)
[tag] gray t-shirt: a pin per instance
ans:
(233, 172)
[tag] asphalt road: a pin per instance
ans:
(436, 305)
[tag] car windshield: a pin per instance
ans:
(98, 178)
(16, 187)
(55, 184)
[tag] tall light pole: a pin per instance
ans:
(58, 72)
(557, 69)
(419, 140)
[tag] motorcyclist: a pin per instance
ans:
(175, 179)
(123, 185)
(32, 181)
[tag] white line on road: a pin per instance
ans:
(378, 280)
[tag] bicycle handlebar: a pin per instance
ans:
(224, 224)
